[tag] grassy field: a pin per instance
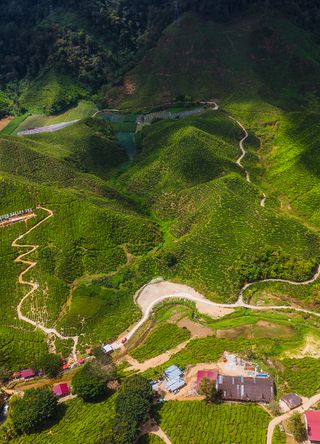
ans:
(77, 421)
(161, 339)
(201, 423)
(83, 110)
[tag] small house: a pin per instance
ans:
(208, 374)
(312, 419)
(290, 402)
(27, 373)
(174, 377)
(61, 389)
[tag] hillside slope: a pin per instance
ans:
(264, 58)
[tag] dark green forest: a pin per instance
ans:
(95, 42)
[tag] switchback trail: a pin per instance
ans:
(34, 285)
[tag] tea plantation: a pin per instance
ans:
(200, 423)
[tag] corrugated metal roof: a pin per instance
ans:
(175, 385)
(246, 389)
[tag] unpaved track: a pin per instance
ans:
(151, 427)
(34, 285)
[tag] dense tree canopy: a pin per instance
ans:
(36, 406)
(95, 41)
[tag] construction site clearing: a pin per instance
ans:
(17, 216)
(186, 385)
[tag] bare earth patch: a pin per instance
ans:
(4, 122)
(196, 330)
(129, 87)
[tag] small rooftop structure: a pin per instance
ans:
(61, 389)
(172, 372)
(27, 373)
(107, 348)
(174, 376)
(290, 401)
(209, 374)
(312, 418)
(175, 385)
(240, 388)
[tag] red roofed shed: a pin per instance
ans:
(61, 389)
(313, 425)
(28, 373)
(209, 374)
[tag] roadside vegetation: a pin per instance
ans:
(161, 339)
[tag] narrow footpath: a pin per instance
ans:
(34, 285)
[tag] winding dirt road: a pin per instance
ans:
(34, 285)
(190, 295)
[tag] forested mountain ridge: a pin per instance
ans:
(94, 43)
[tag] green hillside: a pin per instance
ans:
(51, 93)
(93, 230)
(212, 219)
(260, 58)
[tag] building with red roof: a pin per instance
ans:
(27, 373)
(312, 418)
(209, 374)
(61, 389)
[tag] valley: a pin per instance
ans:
(171, 172)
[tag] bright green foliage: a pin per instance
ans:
(301, 376)
(201, 423)
(90, 146)
(36, 406)
(278, 436)
(52, 93)
(208, 389)
(50, 364)
(77, 421)
(163, 338)
(297, 427)
(132, 406)
(83, 110)
(89, 383)
(211, 218)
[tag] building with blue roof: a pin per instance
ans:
(174, 376)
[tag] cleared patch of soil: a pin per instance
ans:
(262, 329)
(4, 122)
(196, 330)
